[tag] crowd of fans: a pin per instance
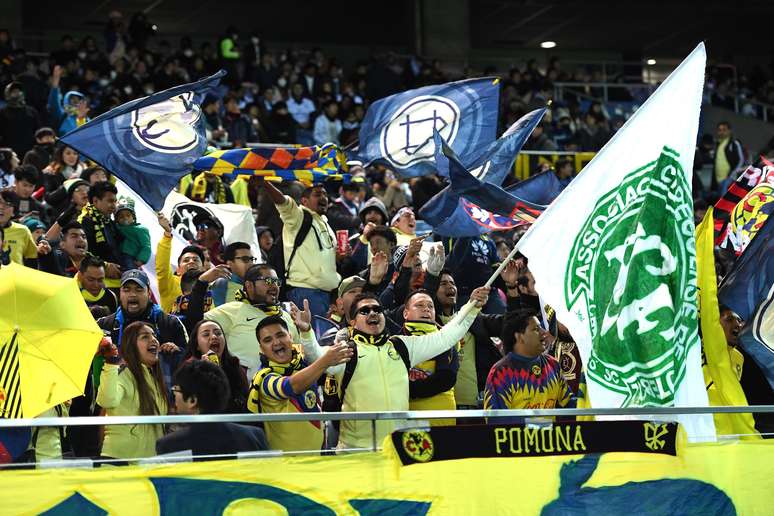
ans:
(344, 306)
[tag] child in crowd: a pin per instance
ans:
(136, 245)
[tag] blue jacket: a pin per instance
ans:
(65, 121)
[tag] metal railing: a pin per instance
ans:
(582, 90)
(417, 417)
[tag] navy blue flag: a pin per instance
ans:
(474, 203)
(749, 291)
(398, 130)
(149, 143)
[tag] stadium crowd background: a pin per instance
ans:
(287, 96)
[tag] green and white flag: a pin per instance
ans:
(615, 256)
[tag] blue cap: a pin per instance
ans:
(137, 276)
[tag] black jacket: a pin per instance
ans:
(213, 439)
(107, 249)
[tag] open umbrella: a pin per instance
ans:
(47, 341)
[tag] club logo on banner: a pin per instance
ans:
(168, 126)
(186, 217)
(632, 276)
(418, 445)
(408, 137)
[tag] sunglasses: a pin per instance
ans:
(269, 280)
(246, 259)
(365, 310)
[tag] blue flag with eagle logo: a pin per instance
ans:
(149, 143)
(398, 130)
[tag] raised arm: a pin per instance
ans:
(313, 352)
(425, 347)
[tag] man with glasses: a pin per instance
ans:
(239, 257)
(377, 376)
(257, 300)
(18, 244)
(310, 266)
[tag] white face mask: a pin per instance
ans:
(282, 82)
(255, 40)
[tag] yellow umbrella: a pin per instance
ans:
(47, 341)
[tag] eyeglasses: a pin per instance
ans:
(246, 259)
(365, 310)
(269, 280)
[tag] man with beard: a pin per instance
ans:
(259, 299)
(377, 376)
(66, 259)
(18, 246)
(310, 266)
(135, 305)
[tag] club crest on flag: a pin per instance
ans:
(187, 216)
(633, 272)
(408, 138)
(168, 126)
(493, 221)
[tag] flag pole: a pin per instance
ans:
(468, 306)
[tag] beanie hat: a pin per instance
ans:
(125, 203)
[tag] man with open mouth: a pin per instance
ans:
(257, 300)
(376, 378)
(287, 383)
(135, 305)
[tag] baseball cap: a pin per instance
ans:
(348, 284)
(137, 276)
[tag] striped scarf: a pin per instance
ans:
(89, 211)
(269, 310)
(199, 190)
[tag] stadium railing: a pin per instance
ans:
(407, 419)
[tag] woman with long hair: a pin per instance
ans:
(135, 388)
(66, 164)
(208, 342)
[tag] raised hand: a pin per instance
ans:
(379, 265)
(302, 318)
(164, 223)
(510, 273)
(436, 260)
(215, 273)
(480, 296)
(337, 354)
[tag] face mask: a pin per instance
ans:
(255, 40)
(82, 55)
(188, 52)
(282, 82)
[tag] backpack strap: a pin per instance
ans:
(402, 350)
(349, 370)
(303, 231)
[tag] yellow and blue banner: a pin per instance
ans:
(709, 478)
(306, 164)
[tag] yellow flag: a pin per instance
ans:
(723, 387)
